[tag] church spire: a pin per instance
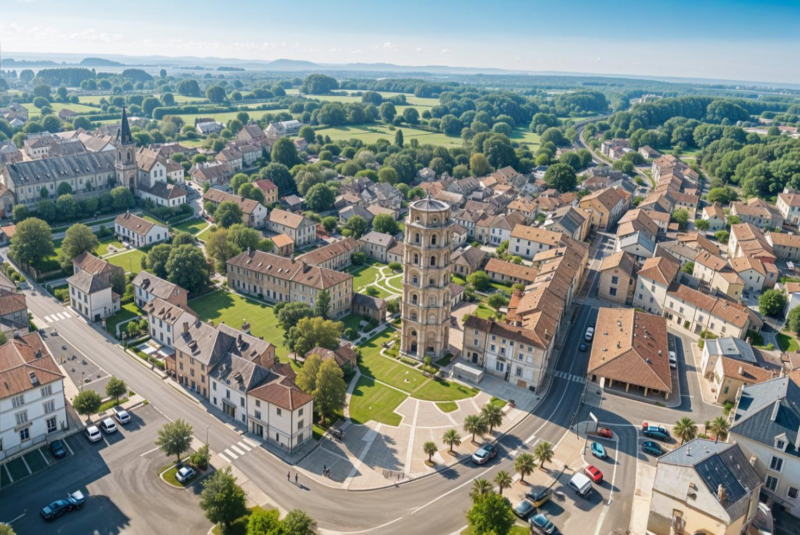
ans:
(124, 135)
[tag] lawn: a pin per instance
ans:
(352, 321)
(105, 243)
(500, 403)
(152, 219)
(383, 294)
(370, 133)
(233, 309)
(515, 530)
(483, 312)
(33, 111)
(127, 311)
(439, 389)
(131, 261)
(224, 117)
(448, 406)
(458, 280)
(374, 401)
(787, 342)
(364, 275)
(203, 236)
(395, 283)
(502, 287)
(169, 477)
(193, 226)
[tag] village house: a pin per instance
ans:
(527, 208)
(605, 206)
(730, 376)
(254, 214)
(494, 230)
(139, 232)
(682, 253)
(280, 413)
(13, 313)
(649, 153)
(699, 242)
(302, 230)
(213, 174)
(283, 129)
(748, 240)
(653, 281)
(269, 189)
(467, 261)
(336, 255)
(755, 274)
(696, 312)
(165, 320)
(785, 246)
(757, 212)
(376, 245)
(93, 265)
(284, 245)
(715, 216)
(344, 355)
(92, 297)
(147, 287)
(252, 133)
(570, 220)
(371, 307)
(528, 241)
(509, 273)
(231, 379)
(706, 265)
(617, 280)
(789, 206)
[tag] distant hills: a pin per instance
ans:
(100, 62)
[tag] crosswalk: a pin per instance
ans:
(570, 377)
(237, 450)
(57, 317)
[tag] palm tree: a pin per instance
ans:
(430, 448)
(480, 488)
(503, 480)
(524, 465)
(476, 425)
(544, 453)
(492, 415)
(451, 438)
(719, 427)
(685, 429)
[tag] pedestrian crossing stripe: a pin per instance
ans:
(237, 450)
(230, 454)
(222, 455)
(570, 377)
(244, 446)
(57, 317)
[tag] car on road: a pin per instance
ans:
(673, 360)
(524, 509)
(57, 508)
(486, 452)
(539, 497)
(93, 433)
(108, 426)
(593, 473)
(656, 432)
(58, 449)
(541, 524)
(63, 348)
(583, 347)
(653, 448)
(185, 474)
(599, 451)
(604, 432)
(121, 415)
(589, 334)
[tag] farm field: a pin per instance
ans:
(33, 111)
(411, 99)
(228, 115)
(373, 132)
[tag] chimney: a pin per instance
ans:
(185, 327)
(749, 340)
(245, 327)
(38, 353)
(741, 370)
(775, 409)
(722, 494)
(753, 460)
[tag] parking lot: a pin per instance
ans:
(119, 476)
(82, 370)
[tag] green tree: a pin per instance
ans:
(479, 165)
(430, 448)
(156, 260)
(387, 111)
(330, 394)
(182, 238)
(479, 280)
(681, 217)
(492, 415)
(491, 515)
(480, 489)
(358, 226)
(79, 239)
(702, 224)
(312, 332)
(388, 175)
(503, 480)
(330, 223)
(32, 242)
(216, 94)
(685, 429)
(771, 302)
(64, 189)
(175, 438)
(122, 198)
(544, 452)
(688, 267)
(116, 388)
(497, 301)
(67, 207)
(793, 320)
(320, 198)
(228, 213)
(6, 529)
(284, 152)
(187, 267)
(323, 304)
(220, 248)
(451, 438)
(298, 522)
(398, 138)
(476, 425)
(291, 313)
(386, 224)
(251, 191)
(719, 428)
(87, 402)
(263, 522)
(308, 134)
(222, 500)
(307, 376)
(722, 236)
(238, 180)
(21, 213)
(524, 465)
(561, 177)
(243, 237)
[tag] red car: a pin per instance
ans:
(604, 432)
(593, 473)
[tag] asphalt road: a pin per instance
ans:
(435, 504)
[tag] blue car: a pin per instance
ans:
(524, 509)
(58, 449)
(656, 432)
(59, 507)
(541, 524)
(653, 448)
(599, 451)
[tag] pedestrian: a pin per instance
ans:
(289, 477)
(295, 478)
(324, 468)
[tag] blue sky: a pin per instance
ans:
(744, 40)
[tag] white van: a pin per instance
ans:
(581, 484)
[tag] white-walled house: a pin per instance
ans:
(281, 413)
(92, 297)
(32, 403)
(139, 231)
(231, 380)
(166, 320)
(653, 282)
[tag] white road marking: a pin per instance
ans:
(366, 530)
(47, 319)
(237, 450)
(67, 445)
(251, 442)
(43, 457)
(451, 491)
(12, 521)
(148, 452)
(244, 446)
(613, 478)
(224, 458)
(231, 454)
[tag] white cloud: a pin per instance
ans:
(445, 51)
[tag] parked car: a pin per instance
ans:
(541, 524)
(539, 497)
(599, 451)
(604, 432)
(581, 484)
(524, 509)
(121, 415)
(653, 448)
(589, 334)
(93, 433)
(108, 426)
(583, 347)
(654, 431)
(594, 473)
(57, 508)
(486, 452)
(58, 449)
(185, 474)
(673, 360)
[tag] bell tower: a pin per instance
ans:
(125, 162)
(426, 279)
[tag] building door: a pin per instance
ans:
(230, 410)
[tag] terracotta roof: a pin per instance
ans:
(289, 269)
(164, 311)
(88, 283)
(780, 239)
(332, 250)
(714, 210)
(511, 332)
(660, 269)
(92, 264)
(725, 310)
(218, 196)
(710, 261)
(631, 346)
(24, 360)
(281, 240)
(697, 240)
(265, 185)
(11, 302)
(791, 199)
(510, 269)
(342, 355)
(792, 287)
(638, 218)
(744, 371)
(608, 197)
(283, 393)
(134, 223)
(621, 260)
(744, 263)
(287, 219)
(537, 235)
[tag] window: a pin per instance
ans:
(279, 411)
(771, 483)
(500, 366)
(792, 493)
(780, 444)
(300, 412)
(47, 391)
(258, 403)
(21, 417)
(25, 434)
(258, 415)
(300, 425)
(49, 407)
(776, 464)
(614, 280)
(18, 401)
(51, 425)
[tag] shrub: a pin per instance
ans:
(351, 333)
(62, 294)
(200, 458)
(395, 266)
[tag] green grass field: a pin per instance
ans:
(193, 226)
(203, 236)
(374, 401)
(127, 311)
(787, 342)
(364, 275)
(224, 117)
(33, 111)
(395, 283)
(448, 406)
(233, 309)
(105, 243)
(131, 261)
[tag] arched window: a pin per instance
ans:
(414, 299)
(416, 280)
(416, 220)
(433, 239)
(433, 261)
(432, 301)
(413, 318)
(414, 334)
(416, 237)
(431, 282)
(416, 258)
(435, 220)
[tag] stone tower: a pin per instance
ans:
(426, 279)
(125, 163)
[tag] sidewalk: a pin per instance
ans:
(640, 508)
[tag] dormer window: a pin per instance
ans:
(780, 443)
